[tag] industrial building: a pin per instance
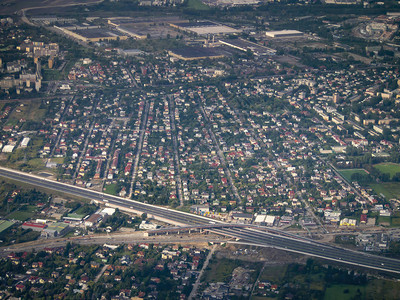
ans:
(56, 229)
(92, 33)
(284, 34)
(34, 226)
(204, 28)
(245, 46)
(193, 53)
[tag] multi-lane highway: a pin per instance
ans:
(276, 239)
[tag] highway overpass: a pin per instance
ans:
(271, 238)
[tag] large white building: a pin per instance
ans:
(284, 34)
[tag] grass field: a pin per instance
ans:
(111, 189)
(29, 111)
(4, 225)
(197, 5)
(273, 273)
(395, 222)
(383, 220)
(20, 215)
(36, 163)
(383, 289)
(58, 160)
(390, 168)
(49, 74)
(389, 189)
(221, 270)
(343, 292)
(347, 173)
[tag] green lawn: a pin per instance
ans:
(390, 168)
(5, 224)
(197, 5)
(111, 189)
(389, 189)
(383, 220)
(29, 208)
(20, 215)
(343, 292)
(347, 173)
(50, 74)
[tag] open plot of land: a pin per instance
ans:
(221, 270)
(390, 168)
(347, 173)
(342, 292)
(383, 289)
(389, 189)
(111, 189)
(29, 111)
(395, 222)
(273, 273)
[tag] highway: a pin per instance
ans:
(272, 238)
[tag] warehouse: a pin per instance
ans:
(56, 229)
(192, 53)
(284, 34)
(204, 28)
(245, 46)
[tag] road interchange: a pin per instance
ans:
(271, 238)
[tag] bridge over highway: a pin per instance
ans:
(254, 236)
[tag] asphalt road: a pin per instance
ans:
(272, 238)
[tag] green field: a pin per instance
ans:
(197, 5)
(389, 189)
(221, 270)
(50, 74)
(347, 173)
(36, 163)
(344, 292)
(273, 273)
(111, 189)
(29, 111)
(383, 220)
(4, 225)
(20, 215)
(395, 222)
(390, 168)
